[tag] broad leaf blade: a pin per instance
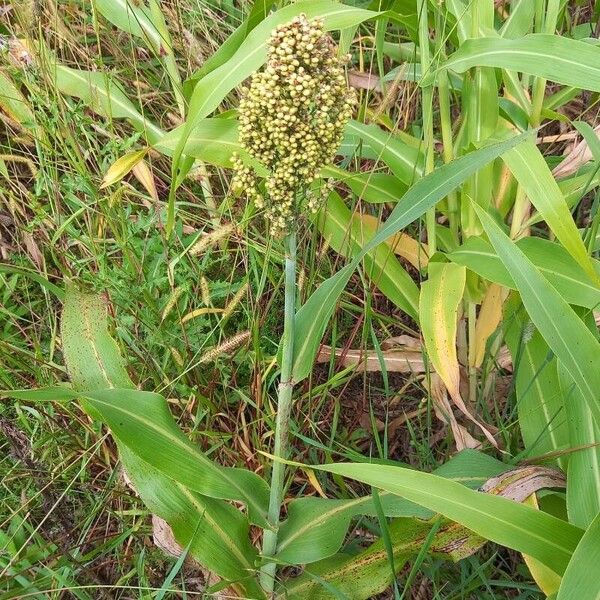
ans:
(552, 57)
(580, 581)
(552, 260)
(142, 421)
(531, 171)
(566, 335)
(104, 96)
(509, 523)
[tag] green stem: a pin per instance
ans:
(427, 107)
(446, 126)
(284, 407)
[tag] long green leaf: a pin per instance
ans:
(552, 57)
(405, 162)
(540, 405)
(552, 260)
(218, 532)
(314, 315)
(522, 528)
(368, 574)
(94, 362)
(583, 474)
(565, 333)
(104, 96)
(580, 581)
(531, 171)
(316, 527)
(142, 421)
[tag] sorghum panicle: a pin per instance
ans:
(292, 118)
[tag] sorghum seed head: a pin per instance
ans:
(292, 119)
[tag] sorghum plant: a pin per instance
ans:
(292, 119)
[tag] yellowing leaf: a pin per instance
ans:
(122, 166)
(440, 298)
(548, 581)
(143, 174)
(488, 319)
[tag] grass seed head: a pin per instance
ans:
(292, 119)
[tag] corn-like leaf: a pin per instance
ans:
(142, 422)
(94, 363)
(522, 528)
(566, 335)
(531, 171)
(316, 527)
(553, 57)
(104, 96)
(583, 472)
(552, 260)
(540, 404)
(347, 235)
(580, 581)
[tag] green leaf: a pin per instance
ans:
(104, 96)
(556, 58)
(92, 356)
(228, 48)
(142, 421)
(583, 474)
(552, 260)
(217, 532)
(531, 171)
(368, 573)
(540, 405)
(94, 363)
(347, 234)
(213, 141)
(522, 528)
(316, 527)
(565, 333)
(376, 188)
(580, 581)
(405, 162)
(314, 315)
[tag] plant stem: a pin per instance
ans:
(427, 107)
(284, 406)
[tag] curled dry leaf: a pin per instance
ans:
(364, 81)
(443, 411)
(518, 484)
(396, 361)
(577, 157)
